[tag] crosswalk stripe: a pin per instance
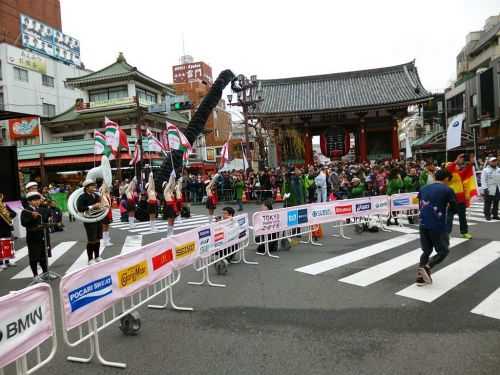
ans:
(131, 243)
(478, 219)
(381, 271)
(450, 276)
(353, 256)
(490, 306)
(455, 222)
(164, 225)
(21, 253)
(82, 260)
(57, 252)
(397, 228)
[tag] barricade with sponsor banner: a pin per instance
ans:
(95, 297)
(405, 204)
(28, 338)
(283, 223)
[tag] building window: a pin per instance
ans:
(49, 110)
(20, 74)
(68, 86)
(108, 94)
(145, 96)
(47, 80)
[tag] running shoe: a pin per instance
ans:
(426, 274)
(467, 236)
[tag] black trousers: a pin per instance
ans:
(37, 254)
(460, 210)
(429, 241)
(489, 201)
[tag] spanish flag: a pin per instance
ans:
(463, 182)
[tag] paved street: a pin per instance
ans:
(348, 307)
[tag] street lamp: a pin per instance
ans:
(246, 91)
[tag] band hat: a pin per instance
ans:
(493, 158)
(31, 184)
(88, 182)
(33, 195)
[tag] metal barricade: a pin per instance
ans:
(32, 361)
(90, 329)
(203, 264)
(288, 234)
(405, 206)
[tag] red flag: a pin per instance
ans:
(124, 141)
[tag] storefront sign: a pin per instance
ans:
(27, 60)
(24, 127)
(192, 72)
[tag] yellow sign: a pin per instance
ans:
(185, 250)
(29, 61)
(131, 275)
(414, 199)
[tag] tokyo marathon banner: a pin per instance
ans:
(404, 201)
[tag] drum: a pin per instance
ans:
(6, 248)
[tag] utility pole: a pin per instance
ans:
(138, 131)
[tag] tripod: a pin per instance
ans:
(49, 275)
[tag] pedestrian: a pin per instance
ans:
(490, 188)
(239, 186)
(321, 186)
(31, 219)
(435, 200)
(461, 176)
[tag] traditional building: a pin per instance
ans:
(353, 112)
(119, 92)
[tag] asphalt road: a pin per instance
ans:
(272, 319)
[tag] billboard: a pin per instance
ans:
(24, 127)
(192, 72)
(51, 42)
(27, 60)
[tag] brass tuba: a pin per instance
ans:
(96, 214)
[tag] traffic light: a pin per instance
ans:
(179, 106)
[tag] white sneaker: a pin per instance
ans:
(3, 266)
(91, 262)
(98, 259)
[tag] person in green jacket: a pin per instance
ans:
(395, 183)
(411, 181)
(427, 175)
(357, 189)
(239, 186)
(394, 186)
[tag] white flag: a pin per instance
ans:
(454, 133)
(409, 155)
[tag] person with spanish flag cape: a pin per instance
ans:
(464, 185)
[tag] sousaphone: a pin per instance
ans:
(97, 214)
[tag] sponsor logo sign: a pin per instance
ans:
(398, 202)
(241, 221)
(90, 292)
(302, 215)
(321, 212)
(132, 274)
(242, 234)
(414, 199)
(381, 204)
(21, 324)
(270, 222)
(293, 218)
(343, 210)
(162, 259)
(185, 250)
(361, 207)
(204, 240)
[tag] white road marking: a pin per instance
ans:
(353, 256)
(490, 306)
(131, 243)
(82, 260)
(449, 277)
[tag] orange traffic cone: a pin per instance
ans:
(244, 197)
(279, 198)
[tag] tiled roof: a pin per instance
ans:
(342, 91)
(72, 115)
(117, 71)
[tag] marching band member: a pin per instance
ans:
(211, 190)
(106, 201)
(6, 227)
(30, 187)
(87, 201)
(170, 204)
(179, 197)
(152, 202)
(131, 193)
(31, 219)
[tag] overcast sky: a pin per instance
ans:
(277, 38)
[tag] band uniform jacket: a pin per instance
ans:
(34, 229)
(85, 200)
